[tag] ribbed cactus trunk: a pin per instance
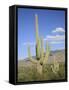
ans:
(42, 52)
(39, 68)
(38, 50)
(37, 38)
(47, 53)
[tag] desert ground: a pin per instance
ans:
(27, 70)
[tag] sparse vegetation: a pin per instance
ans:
(55, 66)
(29, 72)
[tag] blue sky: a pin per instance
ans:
(51, 24)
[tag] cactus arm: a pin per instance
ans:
(33, 61)
(47, 53)
(41, 52)
(29, 55)
(53, 69)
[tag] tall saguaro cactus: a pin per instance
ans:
(37, 38)
(41, 59)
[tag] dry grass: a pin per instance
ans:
(29, 73)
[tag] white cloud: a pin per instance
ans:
(55, 42)
(59, 30)
(55, 37)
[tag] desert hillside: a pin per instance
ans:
(27, 71)
(59, 56)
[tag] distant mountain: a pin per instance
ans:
(59, 56)
(58, 51)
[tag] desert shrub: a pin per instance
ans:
(30, 73)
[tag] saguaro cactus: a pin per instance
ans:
(37, 38)
(41, 59)
(55, 66)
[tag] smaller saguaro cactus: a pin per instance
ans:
(47, 53)
(55, 66)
